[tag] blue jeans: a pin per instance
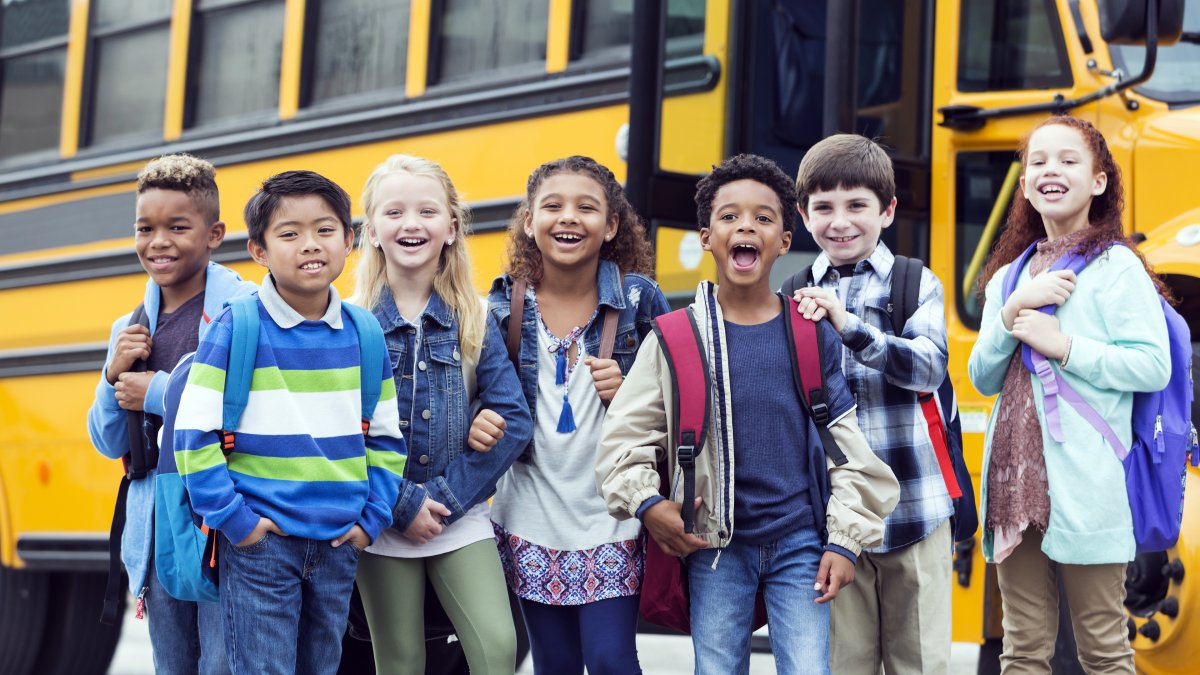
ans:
(601, 635)
(722, 604)
(285, 601)
(185, 637)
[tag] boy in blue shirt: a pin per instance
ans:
(177, 227)
(898, 614)
(301, 494)
(755, 521)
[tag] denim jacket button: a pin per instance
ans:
(423, 459)
(425, 414)
(421, 365)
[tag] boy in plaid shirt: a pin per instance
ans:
(897, 613)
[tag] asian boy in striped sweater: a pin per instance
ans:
(302, 493)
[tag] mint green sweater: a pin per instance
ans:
(1118, 347)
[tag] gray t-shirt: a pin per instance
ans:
(176, 334)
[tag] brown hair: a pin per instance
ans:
(630, 249)
(184, 173)
(846, 161)
(1024, 224)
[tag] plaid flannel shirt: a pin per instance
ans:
(885, 373)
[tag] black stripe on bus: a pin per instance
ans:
(469, 108)
(58, 228)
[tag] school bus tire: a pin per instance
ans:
(74, 642)
(23, 600)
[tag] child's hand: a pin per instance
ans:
(131, 389)
(816, 303)
(133, 343)
(486, 430)
(260, 530)
(666, 526)
(355, 535)
(1050, 288)
(607, 376)
(1041, 332)
(428, 523)
(835, 573)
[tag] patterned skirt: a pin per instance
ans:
(554, 577)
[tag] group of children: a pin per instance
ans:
(555, 399)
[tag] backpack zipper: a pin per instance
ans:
(140, 612)
(1160, 443)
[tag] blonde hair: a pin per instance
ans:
(452, 282)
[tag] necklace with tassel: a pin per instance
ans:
(561, 348)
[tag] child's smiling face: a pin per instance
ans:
(1060, 179)
(846, 222)
(173, 239)
(412, 222)
(745, 232)
(569, 221)
(305, 247)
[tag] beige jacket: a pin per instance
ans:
(639, 428)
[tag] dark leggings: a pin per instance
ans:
(601, 635)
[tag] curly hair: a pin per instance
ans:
(184, 173)
(1024, 224)
(747, 167)
(630, 249)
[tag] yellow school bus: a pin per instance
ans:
(91, 89)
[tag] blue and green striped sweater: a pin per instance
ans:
(300, 457)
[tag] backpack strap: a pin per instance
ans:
(905, 291)
(371, 348)
(243, 348)
(1014, 271)
(679, 339)
(807, 359)
(516, 308)
(608, 332)
(796, 281)
(142, 428)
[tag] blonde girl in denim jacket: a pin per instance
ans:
(448, 357)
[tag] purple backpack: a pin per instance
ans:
(1163, 435)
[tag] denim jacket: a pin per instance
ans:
(638, 300)
(435, 416)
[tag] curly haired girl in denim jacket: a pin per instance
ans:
(415, 275)
(582, 251)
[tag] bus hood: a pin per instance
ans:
(1166, 156)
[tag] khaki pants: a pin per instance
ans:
(896, 614)
(1029, 591)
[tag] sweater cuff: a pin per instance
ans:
(372, 522)
(641, 510)
(156, 393)
(844, 552)
(239, 525)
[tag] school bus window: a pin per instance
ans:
(978, 180)
(1174, 80)
(606, 27)
(361, 46)
(476, 38)
(130, 43)
(1011, 44)
(236, 72)
(33, 58)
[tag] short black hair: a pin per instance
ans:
(265, 202)
(747, 167)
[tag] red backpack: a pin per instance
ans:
(664, 598)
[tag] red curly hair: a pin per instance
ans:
(1024, 225)
(630, 249)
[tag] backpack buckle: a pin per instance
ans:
(686, 455)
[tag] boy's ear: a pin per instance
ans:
(216, 235)
(889, 214)
(705, 244)
(803, 217)
(349, 240)
(259, 253)
(1099, 184)
(786, 244)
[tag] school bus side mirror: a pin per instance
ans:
(1123, 22)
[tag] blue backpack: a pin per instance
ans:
(1163, 435)
(184, 548)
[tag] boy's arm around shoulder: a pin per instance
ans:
(994, 347)
(634, 435)
(106, 420)
(862, 492)
(917, 358)
(386, 454)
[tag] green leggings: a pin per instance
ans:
(471, 588)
